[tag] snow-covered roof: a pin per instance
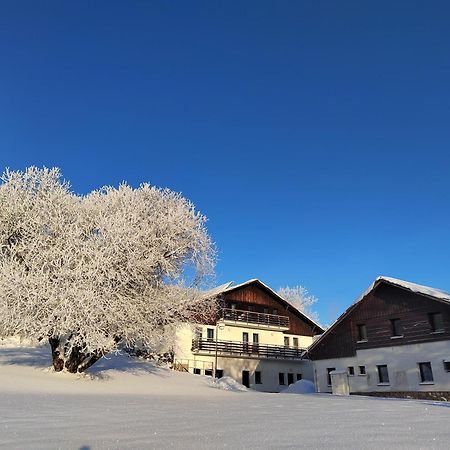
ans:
(214, 292)
(418, 288)
(427, 291)
(228, 287)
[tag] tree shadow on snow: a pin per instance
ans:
(122, 362)
(39, 357)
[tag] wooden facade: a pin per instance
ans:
(262, 299)
(376, 310)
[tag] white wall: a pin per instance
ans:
(403, 369)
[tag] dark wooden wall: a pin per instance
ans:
(383, 303)
(260, 299)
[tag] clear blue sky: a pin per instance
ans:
(313, 134)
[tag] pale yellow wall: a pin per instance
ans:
(234, 333)
(233, 366)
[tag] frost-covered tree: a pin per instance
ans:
(91, 272)
(300, 298)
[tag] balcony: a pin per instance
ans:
(254, 319)
(246, 349)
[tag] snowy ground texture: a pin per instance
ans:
(131, 404)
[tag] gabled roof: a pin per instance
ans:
(228, 287)
(435, 294)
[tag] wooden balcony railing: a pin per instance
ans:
(247, 349)
(251, 317)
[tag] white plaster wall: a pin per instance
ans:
(403, 369)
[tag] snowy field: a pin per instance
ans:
(131, 404)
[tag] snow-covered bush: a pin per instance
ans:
(90, 272)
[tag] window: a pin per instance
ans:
(351, 370)
(210, 334)
(362, 370)
(208, 372)
(383, 375)
(286, 341)
(197, 371)
(362, 333)
(266, 310)
(275, 311)
(295, 342)
(251, 308)
(290, 378)
(219, 373)
(426, 374)
(233, 306)
(396, 329)
(258, 377)
(447, 366)
(436, 322)
(281, 378)
(299, 376)
(329, 370)
(255, 338)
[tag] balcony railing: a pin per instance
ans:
(247, 349)
(256, 318)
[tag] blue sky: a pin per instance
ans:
(313, 134)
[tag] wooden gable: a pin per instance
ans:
(376, 309)
(257, 295)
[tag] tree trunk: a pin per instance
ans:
(75, 362)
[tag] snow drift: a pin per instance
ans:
(300, 387)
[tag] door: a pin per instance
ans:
(255, 346)
(246, 378)
(245, 342)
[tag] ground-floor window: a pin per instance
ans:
(329, 370)
(290, 378)
(447, 366)
(383, 375)
(299, 376)
(208, 372)
(197, 372)
(362, 370)
(426, 373)
(351, 370)
(258, 377)
(281, 378)
(219, 373)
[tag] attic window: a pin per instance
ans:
(362, 332)
(436, 322)
(396, 329)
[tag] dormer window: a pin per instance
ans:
(362, 332)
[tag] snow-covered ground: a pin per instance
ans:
(125, 403)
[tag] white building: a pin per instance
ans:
(258, 339)
(394, 340)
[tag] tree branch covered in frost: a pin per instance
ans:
(299, 297)
(91, 271)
